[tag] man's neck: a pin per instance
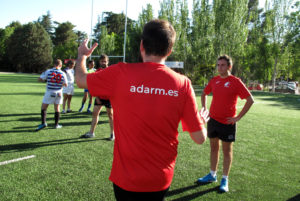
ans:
(154, 59)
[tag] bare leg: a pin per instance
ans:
(110, 118)
(96, 111)
(228, 157)
(214, 153)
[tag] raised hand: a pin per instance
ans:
(83, 49)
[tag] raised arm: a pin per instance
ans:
(81, 73)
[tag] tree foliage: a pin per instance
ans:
(30, 48)
(263, 42)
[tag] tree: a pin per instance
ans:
(231, 29)
(29, 49)
(46, 22)
(65, 41)
(277, 23)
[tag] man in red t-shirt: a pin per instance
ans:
(149, 101)
(98, 103)
(225, 88)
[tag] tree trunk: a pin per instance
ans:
(274, 75)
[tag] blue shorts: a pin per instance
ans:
(225, 132)
(86, 90)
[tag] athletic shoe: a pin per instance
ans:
(80, 110)
(207, 179)
(58, 126)
(69, 111)
(224, 185)
(112, 137)
(41, 126)
(87, 135)
(63, 112)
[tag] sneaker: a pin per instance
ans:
(69, 111)
(207, 179)
(80, 110)
(224, 185)
(41, 126)
(87, 135)
(63, 112)
(89, 111)
(58, 126)
(112, 137)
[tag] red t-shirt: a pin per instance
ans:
(149, 100)
(225, 93)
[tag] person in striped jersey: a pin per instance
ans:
(55, 79)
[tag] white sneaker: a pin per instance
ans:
(87, 135)
(63, 112)
(58, 126)
(112, 137)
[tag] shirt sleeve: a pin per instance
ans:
(101, 83)
(207, 90)
(243, 92)
(191, 120)
(44, 75)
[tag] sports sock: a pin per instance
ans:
(213, 173)
(56, 117)
(82, 106)
(89, 106)
(225, 177)
(43, 115)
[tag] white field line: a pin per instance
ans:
(16, 160)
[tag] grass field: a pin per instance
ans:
(266, 162)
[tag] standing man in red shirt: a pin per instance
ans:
(98, 103)
(225, 88)
(149, 101)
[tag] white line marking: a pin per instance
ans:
(16, 160)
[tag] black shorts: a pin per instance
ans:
(225, 132)
(104, 102)
(123, 195)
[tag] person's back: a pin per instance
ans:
(149, 100)
(55, 78)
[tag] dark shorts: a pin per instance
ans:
(104, 102)
(86, 90)
(225, 132)
(123, 195)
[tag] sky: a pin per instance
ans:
(78, 12)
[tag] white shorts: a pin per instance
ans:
(69, 89)
(51, 97)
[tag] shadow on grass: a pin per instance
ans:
(288, 101)
(193, 195)
(34, 145)
(32, 129)
(296, 198)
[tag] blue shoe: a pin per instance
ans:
(89, 111)
(207, 179)
(41, 126)
(224, 185)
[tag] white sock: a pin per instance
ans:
(213, 173)
(225, 177)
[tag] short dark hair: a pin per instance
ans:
(91, 61)
(70, 62)
(158, 37)
(226, 58)
(57, 62)
(103, 56)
